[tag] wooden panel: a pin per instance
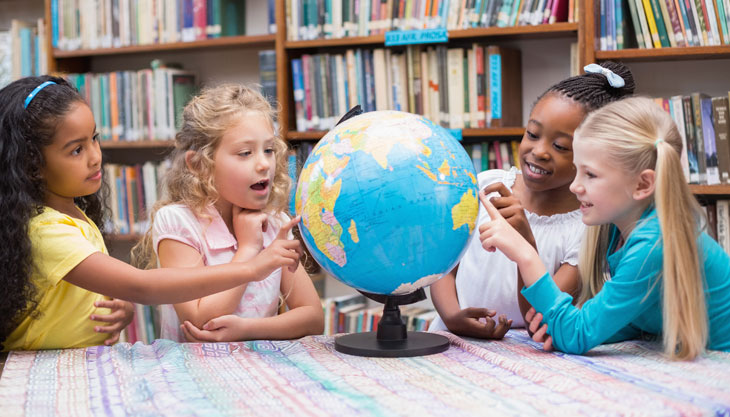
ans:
(667, 54)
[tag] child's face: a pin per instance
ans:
(546, 149)
(73, 159)
(245, 162)
(604, 191)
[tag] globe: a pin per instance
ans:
(388, 202)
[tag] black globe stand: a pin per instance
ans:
(392, 340)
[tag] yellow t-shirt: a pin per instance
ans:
(61, 318)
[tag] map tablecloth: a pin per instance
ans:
(308, 377)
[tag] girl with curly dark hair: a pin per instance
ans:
(55, 265)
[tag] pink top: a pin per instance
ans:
(215, 243)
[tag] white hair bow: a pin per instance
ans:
(614, 79)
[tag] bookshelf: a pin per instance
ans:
(666, 72)
(234, 59)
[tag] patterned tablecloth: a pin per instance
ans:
(308, 377)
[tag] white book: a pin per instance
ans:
(381, 87)
(678, 116)
(455, 68)
(425, 89)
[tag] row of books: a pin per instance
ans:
(703, 123)
(22, 51)
(316, 19)
(145, 327)
(718, 222)
(132, 190)
(495, 154)
(457, 88)
(663, 23)
(136, 105)
(352, 314)
(91, 24)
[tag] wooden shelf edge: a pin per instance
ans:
(467, 133)
(137, 144)
(710, 189)
(667, 54)
(228, 41)
(559, 29)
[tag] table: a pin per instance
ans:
(307, 377)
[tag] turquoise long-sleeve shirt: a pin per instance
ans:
(630, 301)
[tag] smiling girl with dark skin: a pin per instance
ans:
(480, 297)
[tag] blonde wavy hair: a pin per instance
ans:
(205, 120)
(636, 134)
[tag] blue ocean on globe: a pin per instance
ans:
(388, 202)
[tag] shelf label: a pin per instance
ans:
(412, 37)
(456, 133)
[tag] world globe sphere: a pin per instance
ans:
(389, 201)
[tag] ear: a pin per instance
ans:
(189, 161)
(645, 185)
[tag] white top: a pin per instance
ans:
(489, 279)
(216, 245)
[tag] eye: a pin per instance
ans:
(244, 153)
(77, 150)
(530, 135)
(590, 174)
(95, 138)
(560, 147)
(269, 150)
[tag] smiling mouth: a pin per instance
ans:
(261, 185)
(583, 204)
(536, 170)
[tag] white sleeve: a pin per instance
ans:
(176, 223)
(572, 243)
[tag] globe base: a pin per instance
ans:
(392, 340)
(368, 344)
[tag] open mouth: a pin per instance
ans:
(583, 204)
(261, 185)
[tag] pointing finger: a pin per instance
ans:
(491, 210)
(284, 231)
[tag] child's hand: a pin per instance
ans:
(539, 333)
(249, 227)
(478, 322)
(122, 313)
(511, 209)
(498, 234)
(227, 328)
(280, 253)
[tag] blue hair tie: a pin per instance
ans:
(35, 92)
(614, 79)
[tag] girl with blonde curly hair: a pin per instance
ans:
(224, 201)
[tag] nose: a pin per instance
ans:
(540, 149)
(262, 162)
(95, 155)
(575, 187)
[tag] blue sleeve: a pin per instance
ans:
(632, 289)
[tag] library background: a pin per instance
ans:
(138, 61)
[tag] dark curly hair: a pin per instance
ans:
(24, 132)
(593, 91)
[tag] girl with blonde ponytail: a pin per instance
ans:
(646, 265)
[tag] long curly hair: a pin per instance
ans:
(24, 132)
(205, 120)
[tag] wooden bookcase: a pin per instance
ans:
(583, 32)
